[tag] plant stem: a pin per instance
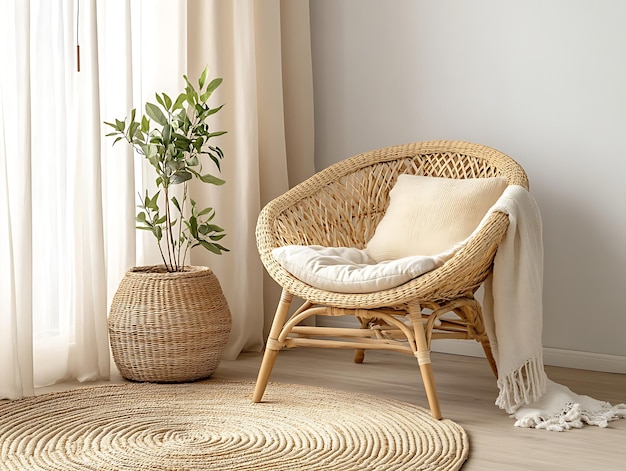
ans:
(163, 257)
(186, 250)
(180, 227)
(168, 234)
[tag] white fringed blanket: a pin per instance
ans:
(513, 317)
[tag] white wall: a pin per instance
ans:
(542, 80)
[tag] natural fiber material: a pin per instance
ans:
(342, 206)
(214, 426)
(168, 327)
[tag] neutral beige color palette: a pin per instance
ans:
(213, 425)
(467, 391)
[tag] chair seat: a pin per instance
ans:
(351, 270)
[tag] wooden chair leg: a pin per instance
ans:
(273, 346)
(359, 353)
(489, 354)
(423, 359)
(474, 314)
(269, 358)
(428, 377)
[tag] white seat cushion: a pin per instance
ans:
(429, 215)
(350, 270)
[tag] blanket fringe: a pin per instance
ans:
(524, 385)
(574, 416)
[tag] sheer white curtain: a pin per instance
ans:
(53, 267)
(67, 197)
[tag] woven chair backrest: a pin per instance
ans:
(341, 205)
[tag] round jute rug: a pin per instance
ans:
(213, 425)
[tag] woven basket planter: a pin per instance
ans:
(168, 327)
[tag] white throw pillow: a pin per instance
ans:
(348, 269)
(429, 215)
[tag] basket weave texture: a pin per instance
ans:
(168, 327)
(341, 206)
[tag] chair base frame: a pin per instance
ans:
(407, 329)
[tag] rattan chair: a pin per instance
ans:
(341, 207)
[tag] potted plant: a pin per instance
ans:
(171, 322)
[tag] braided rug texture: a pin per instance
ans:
(213, 425)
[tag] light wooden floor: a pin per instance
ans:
(467, 393)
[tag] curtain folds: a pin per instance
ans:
(16, 371)
(245, 42)
(67, 197)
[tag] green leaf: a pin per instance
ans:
(215, 228)
(215, 248)
(199, 109)
(154, 160)
(180, 177)
(218, 151)
(197, 143)
(211, 247)
(192, 94)
(212, 180)
(184, 120)
(175, 165)
(178, 104)
(192, 97)
(167, 134)
(218, 133)
(205, 211)
(180, 141)
(141, 217)
(154, 202)
(159, 99)
(214, 84)
(189, 85)
(211, 229)
(133, 128)
(193, 227)
(150, 150)
(168, 101)
(145, 124)
(203, 77)
(214, 110)
(176, 204)
(156, 114)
